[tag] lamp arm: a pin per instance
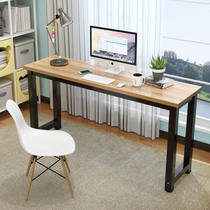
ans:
(51, 37)
(56, 17)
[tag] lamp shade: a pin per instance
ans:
(65, 20)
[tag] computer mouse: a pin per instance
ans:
(120, 85)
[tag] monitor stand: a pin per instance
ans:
(113, 70)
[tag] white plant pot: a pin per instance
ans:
(158, 73)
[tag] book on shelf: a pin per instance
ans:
(3, 52)
(164, 83)
(3, 58)
(20, 17)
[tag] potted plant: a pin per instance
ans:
(158, 67)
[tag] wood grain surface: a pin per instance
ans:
(173, 96)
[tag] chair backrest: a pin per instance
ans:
(20, 123)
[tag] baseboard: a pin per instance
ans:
(181, 140)
(45, 99)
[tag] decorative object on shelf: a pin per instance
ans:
(164, 83)
(2, 21)
(158, 67)
(65, 20)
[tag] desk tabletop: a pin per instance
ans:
(173, 96)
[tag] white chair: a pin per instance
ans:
(39, 142)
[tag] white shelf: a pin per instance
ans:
(16, 70)
(5, 36)
(1, 1)
(24, 32)
(8, 36)
(12, 73)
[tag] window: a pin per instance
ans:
(186, 45)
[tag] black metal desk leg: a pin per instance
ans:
(57, 104)
(171, 149)
(191, 116)
(33, 100)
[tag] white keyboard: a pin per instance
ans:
(98, 79)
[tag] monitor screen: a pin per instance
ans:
(113, 45)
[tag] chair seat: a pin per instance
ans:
(48, 143)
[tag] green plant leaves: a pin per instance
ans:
(157, 63)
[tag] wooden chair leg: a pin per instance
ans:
(67, 165)
(29, 165)
(66, 175)
(31, 176)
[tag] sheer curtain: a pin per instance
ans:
(143, 17)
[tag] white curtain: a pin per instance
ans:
(141, 16)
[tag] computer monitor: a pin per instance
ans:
(114, 48)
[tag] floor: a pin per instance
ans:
(159, 143)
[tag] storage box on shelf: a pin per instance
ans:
(24, 51)
(5, 92)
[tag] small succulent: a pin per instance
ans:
(158, 63)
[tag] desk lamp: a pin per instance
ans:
(65, 20)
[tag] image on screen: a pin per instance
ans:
(113, 44)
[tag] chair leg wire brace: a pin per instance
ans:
(33, 159)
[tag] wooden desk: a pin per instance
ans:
(171, 98)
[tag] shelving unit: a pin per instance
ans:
(7, 42)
